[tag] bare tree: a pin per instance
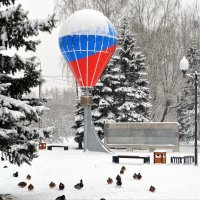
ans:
(164, 29)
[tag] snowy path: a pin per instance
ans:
(171, 181)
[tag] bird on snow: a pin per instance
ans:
(102, 199)
(135, 176)
(152, 189)
(61, 198)
(78, 186)
(121, 172)
(28, 177)
(2, 159)
(61, 186)
(109, 180)
(16, 174)
(123, 168)
(30, 187)
(22, 184)
(118, 177)
(5, 166)
(52, 184)
(139, 176)
(119, 183)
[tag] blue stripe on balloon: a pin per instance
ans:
(75, 47)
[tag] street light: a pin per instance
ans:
(184, 65)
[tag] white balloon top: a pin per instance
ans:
(87, 22)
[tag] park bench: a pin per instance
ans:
(146, 159)
(50, 147)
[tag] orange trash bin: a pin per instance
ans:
(42, 145)
(159, 157)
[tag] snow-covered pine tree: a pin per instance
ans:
(79, 124)
(131, 97)
(16, 114)
(185, 111)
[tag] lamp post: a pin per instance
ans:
(184, 65)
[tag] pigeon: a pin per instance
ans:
(16, 174)
(78, 186)
(152, 189)
(118, 177)
(52, 184)
(28, 177)
(119, 183)
(139, 176)
(61, 198)
(5, 166)
(135, 176)
(109, 180)
(61, 186)
(121, 172)
(123, 168)
(22, 184)
(30, 187)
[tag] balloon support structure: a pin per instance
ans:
(92, 142)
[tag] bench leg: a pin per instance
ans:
(49, 148)
(115, 159)
(147, 160)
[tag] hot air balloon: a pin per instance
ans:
(87, 41)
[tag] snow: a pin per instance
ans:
(172, 181)
(10, 102)
(87, 22)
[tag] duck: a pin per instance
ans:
(52, 184)
(119, 183)
(123, 168)
(135, 176)
(78, 186)
(152, 189)
(139, 176)
(118, 177)
(61, 198)
(109, 180)
(121, 172)
(30, 187)
(16, 174)
(22, 184)
(28, 177)
(61, 186)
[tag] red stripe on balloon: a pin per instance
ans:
(100, 59)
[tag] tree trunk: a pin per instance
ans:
(80, 145)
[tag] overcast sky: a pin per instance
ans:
(48, 51)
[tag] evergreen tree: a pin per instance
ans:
(122, 93)
(185, 111)
(79, 124)
(16, 113)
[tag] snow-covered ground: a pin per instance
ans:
(172, 181)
